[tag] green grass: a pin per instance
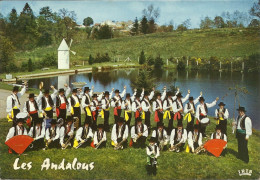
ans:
(223, 43)
(130, 163)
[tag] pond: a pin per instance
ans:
(212, 83)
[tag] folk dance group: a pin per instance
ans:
(68, 130)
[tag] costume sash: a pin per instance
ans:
(88, 111)
(63, 106)
(177, 116)
(143, 115)
(126, 115)
(167, 113)
(156, 118)
(188, 115)
(48, 109)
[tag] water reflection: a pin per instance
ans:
(211, 83)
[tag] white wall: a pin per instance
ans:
(63, 60)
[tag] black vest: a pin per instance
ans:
(120, 99)
(84, 133)
(99, 138)
(44, 102)
(58, 101)
(87, 101)
(34, 131)
(28, 106)
(189, 107)
(242, 122)
(50, 131)
(177, 104)
(224, 110)
(215, 134)
(205, 107)
(15, 130)
(122, 131)
(176, 131)
(197, 136)
(136, 129)
(72, 100)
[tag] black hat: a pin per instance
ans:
(152, 139)
(86, 89)
(179, 95)
(169, 93)
(127, 94)
(61, 90)
(221, 104)
(120, 120)
(179, 124)
(86, 122)
(100, 126)
(160, 124)
(191, 98)
(53, 121)
(39, 120)
(218, 127)
(196, 126)
(139, 119)
(158, 94)
(106, 93)
(31, 95)
(137, 95)
(20, 120)
(201, 99)
(74, 90)
(146, 93)
(94, 95)
(69, 118)
(46, 91)
(116, 91)
(241, 109)
(15, 89)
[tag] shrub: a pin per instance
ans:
(150, 61)
(11, 67)
(142, 58)
(158, 62)
(181, 65)
(30, 65)
(90, 60)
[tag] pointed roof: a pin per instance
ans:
(63, 46)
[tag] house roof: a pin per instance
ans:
(63, 46)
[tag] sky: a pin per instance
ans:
(102, 10)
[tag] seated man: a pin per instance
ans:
(161, 136)
(219, 135)
(67, 132)
(194, 138)
(119, 134)
(84, 136)
(18, 129)
(152, 152)
(178, 138)
(100, 137)
(37, 132)
(139, 133)
(52, 135)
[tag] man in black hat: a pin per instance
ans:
(194, 138)
(127, 106)
(244, 130)
(137, 107)
(167, 107)
(100, 137)
(152, 151)
(116, 103)
(31, 107)
(84, 136)
(161, 135)
(85, 103)
(119, 133)
(146, 108)
(74, 103)
(222, 115)
(46, 104)
(139, 133)
(190, 109)
(202, 112)
(18, 129)
(37, 132)
(178, 107)
(178, 138)
(52, 135)
(13, 104)
(67, 132)
(158, 108)
(94, 106)
(61, 104)
(105, 104)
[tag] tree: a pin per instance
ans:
(144, 25)
(144, 80)
(151, 12)
(27, 10)
(158, 62)
(187, 23)
(254, 23)
(46, 13)
(219, 22)
(135, 28)
(30, 65)
(150, 61)
(255, 9)
(181, 27)
(90, 60)
(88, 21)
(6, 53)
(206, 23)
(142, 58)
(151, 26)
(105, 32)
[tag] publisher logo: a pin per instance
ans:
(245, 172)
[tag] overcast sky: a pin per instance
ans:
(175, 10)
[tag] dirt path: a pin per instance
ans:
(3, 96)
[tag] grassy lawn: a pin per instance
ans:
(223, 43)
(130, 163)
